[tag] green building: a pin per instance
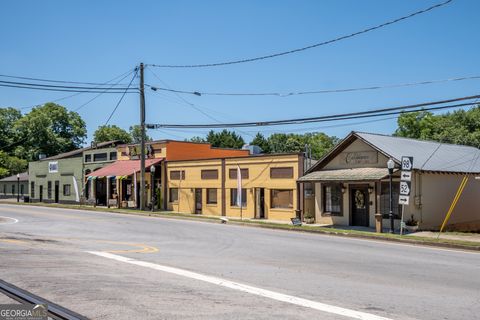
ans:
(61, 178)
(13, 186)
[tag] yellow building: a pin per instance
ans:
(210, 186)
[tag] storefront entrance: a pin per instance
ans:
(359, 205)
(198, 201)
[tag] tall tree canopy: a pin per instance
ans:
(111, 132)
(223, 139)
(459, 127)
(135, 133)
(49, 129)
(319, 142)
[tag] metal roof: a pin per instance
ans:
(123, 168)
(354, 174)
(428, 155)
(79, 151)
(23, 177)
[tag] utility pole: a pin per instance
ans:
(142, 140)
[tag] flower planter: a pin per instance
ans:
(309, 220)
(411, 228)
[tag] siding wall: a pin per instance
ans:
(258, 177)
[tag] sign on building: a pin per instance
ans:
(53, 167)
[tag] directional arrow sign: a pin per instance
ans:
(406, 176)
(407, 163)
(404, 200)
(405, 188)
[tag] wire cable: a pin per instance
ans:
(274, 55)
(56, 87)
(293, 93)
(98, 95)
(351, 115)
(121, 98)
(53, 81)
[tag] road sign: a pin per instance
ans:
(404, 200)
(406, 176)
(405, 188)
(407, 163)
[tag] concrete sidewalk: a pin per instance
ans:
(466, 236)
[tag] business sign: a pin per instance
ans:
(359, 157)
(53, 167)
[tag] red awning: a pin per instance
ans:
(123, 168)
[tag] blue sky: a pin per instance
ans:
(95, 41)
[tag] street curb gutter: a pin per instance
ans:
(426, 243)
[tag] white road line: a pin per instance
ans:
(14, 220)
(246, 288)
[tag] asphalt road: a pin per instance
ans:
(113, 266)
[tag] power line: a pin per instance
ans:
(98, 95)
(293, 93)
(184, 100)
(29, 85)
(124, 75)
(121, 98)
(274, 55)
(351, 115)
(53, 81)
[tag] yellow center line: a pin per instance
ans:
(14, 241)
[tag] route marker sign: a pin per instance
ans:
(405, 187)
(404, 200)
(407, 163)
(406, 176)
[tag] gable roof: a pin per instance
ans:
(428, 155)
(23, 177)
(79, 151)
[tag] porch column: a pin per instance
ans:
(119, 192)
(94, 191)
(107, 180)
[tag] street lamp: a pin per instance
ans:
(390, 166)
(152, 180)
(18, 187)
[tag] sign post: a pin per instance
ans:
(405, 186)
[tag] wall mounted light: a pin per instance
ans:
(370, 189)
(343, 188)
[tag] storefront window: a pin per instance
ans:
(332, 199)
(173, 194)
(233, 197)
(211, 196)
(282, 199)
(385, 200)
(66, 190)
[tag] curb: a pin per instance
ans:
(158, 214)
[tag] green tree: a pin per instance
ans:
(225, 139)
(8, 134)
(458, 127)
(136, 134)
(262, 142)
(110, 133)
(49, 129)
(197, 139)
(10, 165)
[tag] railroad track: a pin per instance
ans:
(54, 310)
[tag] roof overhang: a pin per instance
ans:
(122, 168)
(353, 174)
